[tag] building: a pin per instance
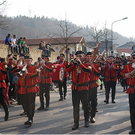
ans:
(103, 46)
(126, 48)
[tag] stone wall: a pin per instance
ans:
(35, 53)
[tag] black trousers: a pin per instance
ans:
(11, 92)
(28, 100)
(110, 85)
(132, 109)
(78, 96)
(64, 85)
(2, 100)
(92, 100)
(44, 89)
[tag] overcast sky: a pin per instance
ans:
(81, 12)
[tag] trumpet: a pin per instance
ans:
(42, 64)
(24, 69)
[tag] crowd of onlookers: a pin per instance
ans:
(17, 46)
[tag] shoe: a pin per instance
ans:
(22, 114)
(113, 102)
(75, 126)
(86, 124)
(132, 131)
(107, 102)
(6, 117)
(40, 108)
(64, 98)
(61, 99)
(30, 122)
(46, 109)
(92, 120)
(26, 123)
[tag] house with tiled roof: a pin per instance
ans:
(58, 44)
(126, 48)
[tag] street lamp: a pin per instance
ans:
(112, 31)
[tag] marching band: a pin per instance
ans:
(85, 72)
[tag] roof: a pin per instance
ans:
(53, 41)
(127, 45)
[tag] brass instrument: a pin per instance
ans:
(94, 53)
(24, 69)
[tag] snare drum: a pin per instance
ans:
(58, 73)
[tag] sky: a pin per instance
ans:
(81, 12)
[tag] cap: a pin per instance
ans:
(89, 53)
(133, 54)
(111, 56)
(27, 57)
(79, 52)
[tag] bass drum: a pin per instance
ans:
(58, 73)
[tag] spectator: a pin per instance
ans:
(8, 41)
(24, 46)
(14, 45)
(19, 43)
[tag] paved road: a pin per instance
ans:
(110, 119)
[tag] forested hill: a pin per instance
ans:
(40, 27)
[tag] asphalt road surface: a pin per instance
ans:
(110, 118)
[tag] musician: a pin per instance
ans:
(92, 95)
(28, 89)
(130, 76)
(3, 79)
(80, 81)
(45, 81)
(63, 84)
(110, 74)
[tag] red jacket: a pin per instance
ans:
(110, 72)
(45, 74)
(80, 76)
(28, 83)
(130, 81)
(65, 63)
(2, 76)
(94, 76)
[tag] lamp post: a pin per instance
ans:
(112, 32)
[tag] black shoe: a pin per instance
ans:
(46, 109)
(64, 98)
(40, 108)
(113, 102)
(86, 124)
(30, 122)
(92, 120)
(75, 126)
(132, 131)
(6, 117)
(26, 123)
(61, 99)
(22, 114)
(107, 102)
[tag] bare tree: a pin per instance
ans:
(96, 34)
(65, 31)
(4, 21)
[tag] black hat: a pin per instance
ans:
(62, 54)
(21, 55)
(27, 57)
(133, 54)
(111, 56)
(79, 52)
(89, 53)
(45, 55)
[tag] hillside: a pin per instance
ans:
(40, 27)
